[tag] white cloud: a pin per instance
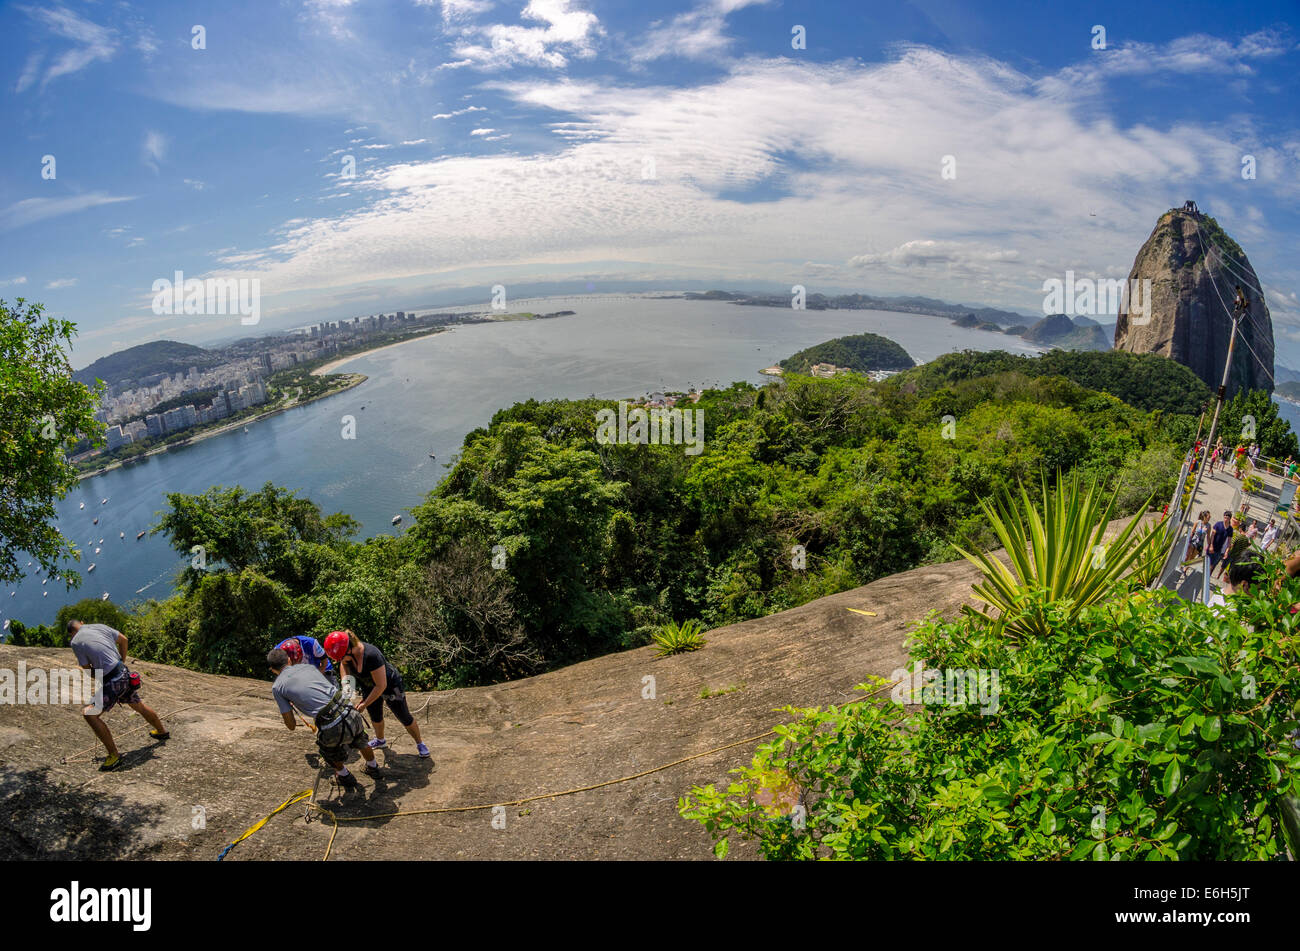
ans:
(695, 34)
(91, 43)
(195, 184)
(31, 210)
(568, 31)
(153, 148)
(13, 280)
(460, 112)
(455, 10)
(924, 253)
(61, 283)
(482, 131)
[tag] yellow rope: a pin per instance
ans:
(518, 802)
(306, 794)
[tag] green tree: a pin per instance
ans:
(43, 413)
(1271, 431)
(94, 611)
(270, 529)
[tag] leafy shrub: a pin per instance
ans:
(674, 638)
(1147, 728)
(1061, 552)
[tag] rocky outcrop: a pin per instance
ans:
(1194, 269)
(1058, 330)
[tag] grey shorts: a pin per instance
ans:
(333, 741)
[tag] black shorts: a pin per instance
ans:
(395, 696)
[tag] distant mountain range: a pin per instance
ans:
(1056, 330)
(900, 305)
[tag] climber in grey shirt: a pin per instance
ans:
(101, 648)
(338, 726)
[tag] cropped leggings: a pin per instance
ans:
(395, 697)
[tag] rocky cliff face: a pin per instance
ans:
(1194, 268)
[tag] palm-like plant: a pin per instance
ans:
(674, 638)
(1056, 555)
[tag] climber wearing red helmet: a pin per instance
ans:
(379, 682)
(307, 650)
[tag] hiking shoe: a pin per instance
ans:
(347, 782)
(377, 744)
(111, 763)
(374, 768)
(422, 750)
(165, 734)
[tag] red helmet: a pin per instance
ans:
(293, 649)
(337, 645)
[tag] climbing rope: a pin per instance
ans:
(510, 802)
(306, 794)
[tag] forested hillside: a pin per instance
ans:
(805, 487)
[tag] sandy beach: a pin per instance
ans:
(329, 367)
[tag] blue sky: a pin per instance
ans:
(627, 144)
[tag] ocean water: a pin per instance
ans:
(423, 397)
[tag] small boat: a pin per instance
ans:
(91, 568)
(103, 501)
(13, 594)
(95, 522)
(432, 456)
(46, 581)
(121, 535)
(83, 505)
(96, 551)
(245, 429)
(140, 536)
(45, 594)
(397, 519)
(104, 596)
(101, 541)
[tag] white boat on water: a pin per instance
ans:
(83, 505)
(103, 501)
(96, 551)
(121, 535)
(104, 597)
(397, 520)
(91, 568)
